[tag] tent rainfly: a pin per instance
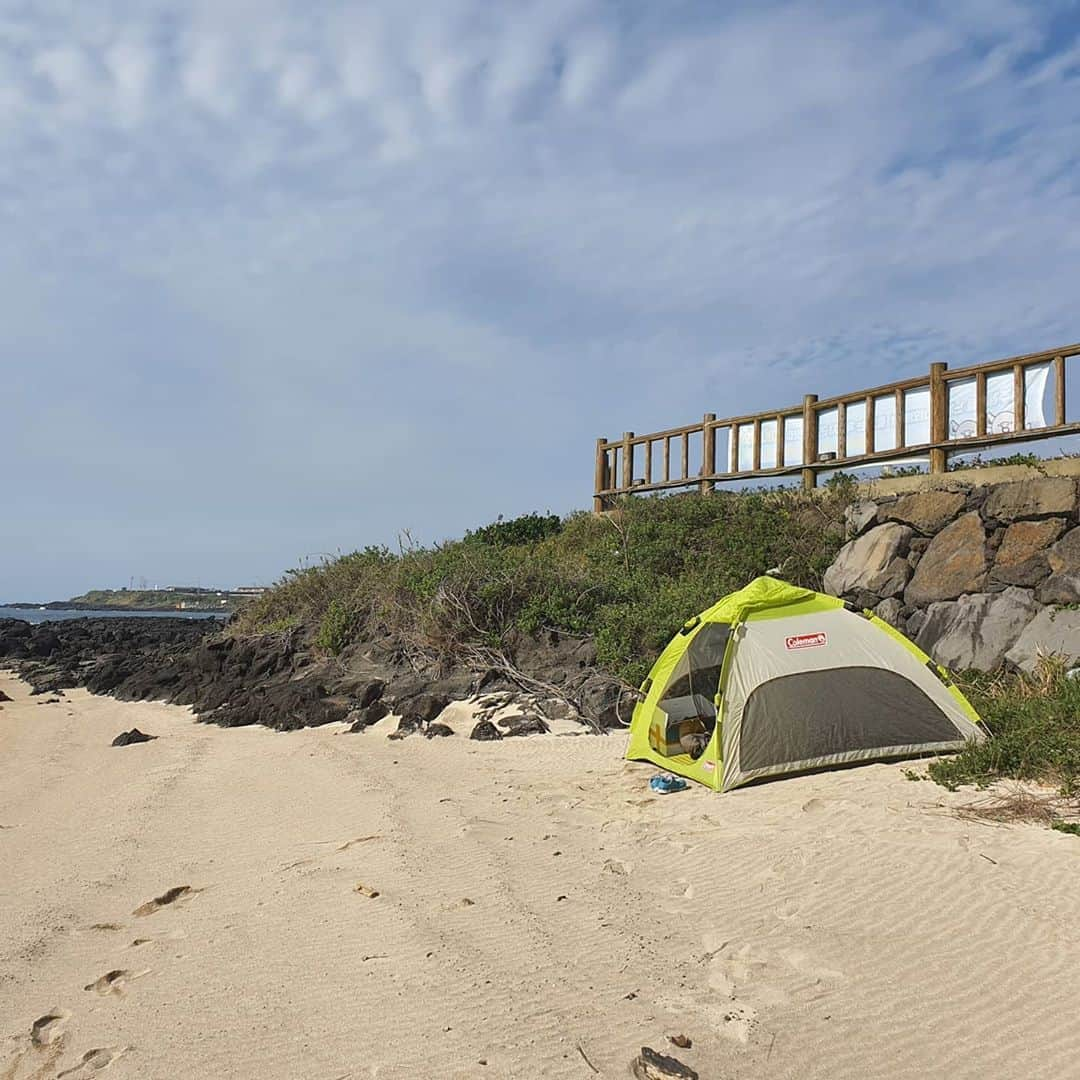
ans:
(775, 679)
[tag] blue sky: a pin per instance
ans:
(284, 278)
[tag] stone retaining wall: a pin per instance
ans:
(978, 575)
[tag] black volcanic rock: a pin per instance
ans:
(282, 681)
(364, 718)
(128, 738)
(485, 731)
(523, 725)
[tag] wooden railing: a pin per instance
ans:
(932, 415)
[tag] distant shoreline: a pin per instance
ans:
(60, 605)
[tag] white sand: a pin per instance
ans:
(838, 925)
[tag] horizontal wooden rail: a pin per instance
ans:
(929, 415)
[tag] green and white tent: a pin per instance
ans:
(775, 679)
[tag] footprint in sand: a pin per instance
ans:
(788, 910)
(94, 1061)
(50, 1028)
(46, 1046)
(803, 964)
(115, 982)
(142, 942)
(175, 894)
(681, 888)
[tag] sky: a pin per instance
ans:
(283, 279)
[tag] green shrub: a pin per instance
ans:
(1034, 724)
(527, 529)
(335, 630)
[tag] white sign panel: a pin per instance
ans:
(827, 432)
(746, 447)
(1036, 378)
(885, 423)
(1000, 415)
(917, 416)
(855, 426)
(722, 443)
(963, 411)
(768, 444)
(793, 440)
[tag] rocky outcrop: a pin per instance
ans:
(955, 563)
(987, 565)
(281, 681)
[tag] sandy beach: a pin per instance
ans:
(539, 912)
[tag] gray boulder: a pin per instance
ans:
(872, 562)
(889, 611)
(1052, 631)
(1021, 558)
(1061, 588)
(955, 563)
(976, 631)
(926, 511)
(1031, 498)
(859, 516)
(1064, 556)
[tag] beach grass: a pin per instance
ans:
(1034, 725)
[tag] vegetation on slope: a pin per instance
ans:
(1034, 722)
(628, 580)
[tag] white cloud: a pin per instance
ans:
(130, 65)
(591, 58)
(66, 68)
(462, 220)
(211, 75)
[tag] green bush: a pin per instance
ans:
(1034, 724)
(336, 628)
(527, 529)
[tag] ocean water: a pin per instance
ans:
(35, 615)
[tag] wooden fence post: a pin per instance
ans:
(939, 418)
(809, 436)
(600, 477)
(627, 460)
(708, 453)
(1059, 390)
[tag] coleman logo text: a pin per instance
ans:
(807, 641)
